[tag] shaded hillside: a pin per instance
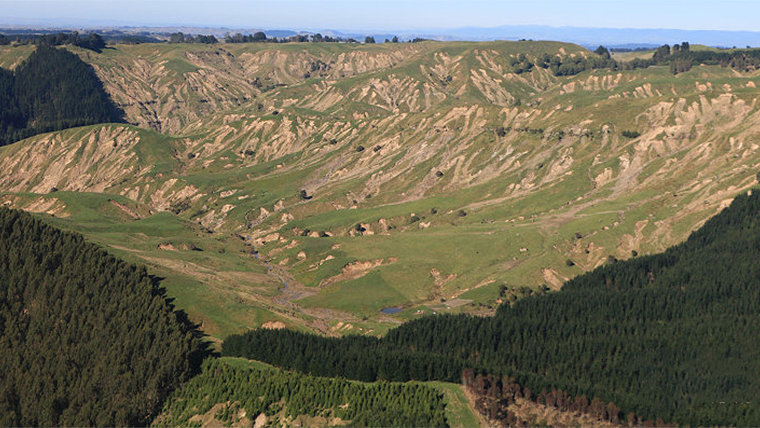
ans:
(51, 90)
(85, 339)
(669, 336)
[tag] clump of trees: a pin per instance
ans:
(521, 64)
(572, 65)
(314, 38)
(679, 58)
(180, 37)
(683, 59)
(602, 52)
(256, 37)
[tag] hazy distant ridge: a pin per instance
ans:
(610, 36)
(586, 36)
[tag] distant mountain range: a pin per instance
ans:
(588, 37)
(610, 36)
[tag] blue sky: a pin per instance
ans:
(390, 15)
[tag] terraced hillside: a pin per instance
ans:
(314, 185)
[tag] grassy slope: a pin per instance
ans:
(459, 413)
(511, 236)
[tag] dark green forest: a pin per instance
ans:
(85, 339)
(670, 336)
(271, 391)
(52, 90)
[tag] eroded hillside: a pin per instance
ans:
(317, 184)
